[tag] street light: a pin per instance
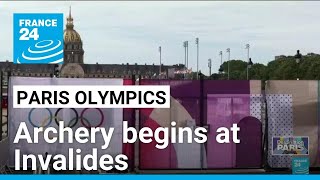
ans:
(185, 45)
(209, 65)
(298, 58)
(185, 57)
(56, 70)
(248, 47)
(197, 43)
(249, 65)
(221, 67)
(228, 51)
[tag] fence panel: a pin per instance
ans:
(47, 117)
(186, 113)
(293, 110)
(228, 103)
(224, 103)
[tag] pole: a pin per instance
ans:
(185, 59)
(248, 47)
(201, 108)
(197, 42)
(209, 65)
(221, 57)
(298, 71)
(160, 63)
(228, 50)
(187, 54)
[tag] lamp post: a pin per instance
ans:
(298, 58)
(197, 43)
(56, 70)
(185, 58)
(228, 51)
(248, 48)
(221, 67)
(250, 63)
(160, 62)
(209, 65)
(187, 47)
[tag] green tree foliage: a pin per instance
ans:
(284, 68)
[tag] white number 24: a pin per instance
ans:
(26, 35)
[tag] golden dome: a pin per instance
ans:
(70, 35)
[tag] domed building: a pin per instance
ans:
(74, 65)
(73, 51)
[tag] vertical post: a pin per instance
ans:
(209, 65)
(201, 103)
(265, 149)
(1, 94)
(221, 67)
(221, 58)
(248, 47)
(187, 54)
(133, 118)
(298, 71)
(160, 62)
(185, 59)
(136, 113)
(228, 51)
(197, 42)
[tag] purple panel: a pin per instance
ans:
(226, 87)
(223, 155)
(223, 111)
(179, 88)
(249, 150)
(187, 93)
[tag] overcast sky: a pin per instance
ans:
(131, 32)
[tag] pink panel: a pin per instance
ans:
(223, 111)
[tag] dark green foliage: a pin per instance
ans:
(284, 68)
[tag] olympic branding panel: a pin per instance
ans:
(72, 117)
(38, 38)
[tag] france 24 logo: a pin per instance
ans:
(38, 38)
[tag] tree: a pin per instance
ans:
(284, 68)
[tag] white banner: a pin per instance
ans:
(72, 117)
